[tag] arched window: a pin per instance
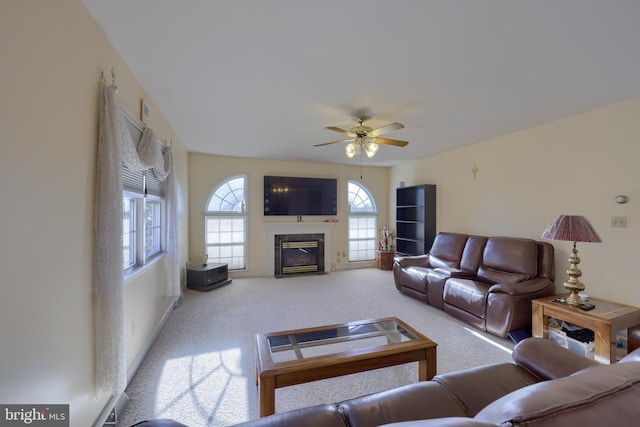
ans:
(363, 220)
(225, 220)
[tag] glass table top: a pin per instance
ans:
(295, 345)
(602, 308)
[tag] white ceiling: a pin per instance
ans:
(263, 78)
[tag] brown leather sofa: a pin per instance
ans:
(488, 282)
(546, 385)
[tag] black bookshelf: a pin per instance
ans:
(415, 219)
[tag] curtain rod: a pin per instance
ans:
(113, 76)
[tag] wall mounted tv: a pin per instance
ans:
(285, 195)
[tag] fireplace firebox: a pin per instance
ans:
(299, 254)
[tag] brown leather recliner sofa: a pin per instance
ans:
(488, 282)
(546, 386)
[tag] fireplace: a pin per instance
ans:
(297, 231)
(298, 253)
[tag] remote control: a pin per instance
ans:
(586, 307)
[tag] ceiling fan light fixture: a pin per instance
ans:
(350, 150)
(364, 139)
(371, 149)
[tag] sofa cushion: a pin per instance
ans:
(416, 401)
(595, 393)
(489, 275)
(437, 262)
(446, 249)
(466, 294)
(159, 423)
(313, 416)
(415, 278)
(511, 254)
(472, 254)
(442, 422)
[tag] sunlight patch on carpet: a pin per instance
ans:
(205, 382)
(488, 340)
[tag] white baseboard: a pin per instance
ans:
(109, 415)
(143, 352)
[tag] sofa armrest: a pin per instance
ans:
(413, 261)
(531, 286)
(497, 380)
(547, 360)
(455, 272)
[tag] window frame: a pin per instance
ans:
(129, 233)
(241, 212)
(360, 214)
(139, 196)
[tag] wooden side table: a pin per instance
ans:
(605, 321)
(384, 260)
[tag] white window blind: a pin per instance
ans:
(135, 181)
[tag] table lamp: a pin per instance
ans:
(572, 228)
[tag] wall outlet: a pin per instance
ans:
(619, 221)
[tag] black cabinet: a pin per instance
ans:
(207, 277)
(415, 219)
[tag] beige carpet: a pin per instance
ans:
(201, 369)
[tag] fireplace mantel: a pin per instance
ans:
(275, 228)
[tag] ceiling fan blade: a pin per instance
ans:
(346, 132)
(333, 142)
(387, 128)
(395, 142)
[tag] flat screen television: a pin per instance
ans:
(285, 195)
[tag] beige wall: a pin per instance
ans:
(574, 166)
(207, 171)
(52, 55)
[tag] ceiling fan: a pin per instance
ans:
(366, 139)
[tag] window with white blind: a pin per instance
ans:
(226, 223)
(363, 220)
(143, 210)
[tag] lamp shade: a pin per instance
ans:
(572, 228)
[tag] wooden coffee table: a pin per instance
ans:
(302, 355)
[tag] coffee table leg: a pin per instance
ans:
(267, 396)
(422, 370)
(427, 368)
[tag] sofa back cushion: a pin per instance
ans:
(472, 254)
(446, 250)
(546, 261)
(508, 260)
(600, 395)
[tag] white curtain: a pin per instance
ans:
(173, 260)
(111, 369)
(115, 148)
